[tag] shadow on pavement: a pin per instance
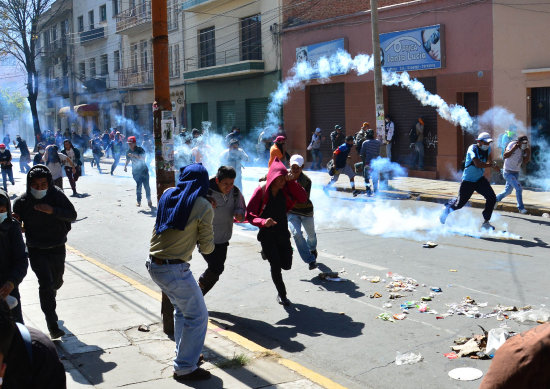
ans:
(537, 221)
(519, 242)
(348, 287)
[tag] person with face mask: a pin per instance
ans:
(517, 153)
(46, 215)
(38, 157)
(13, 257)
(6, 166)
(478, 158)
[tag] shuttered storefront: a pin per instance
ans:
(225, 116)
(199, 114)
(327, 108)
(405, 109)
(256, 112)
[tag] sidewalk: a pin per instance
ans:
(114, 337)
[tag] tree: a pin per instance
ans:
(19, 32)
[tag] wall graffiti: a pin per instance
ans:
(431, 140)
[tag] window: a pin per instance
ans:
(104, 64)
(116, 61)
(251, 38)
(54, 36)
(116, 7)
(46, 39)
(91, 19)
(174, 60)
(144, 59)
(82, 70)
(134, 57)
(80, 23)
(103, 13)
(172, 15)
(92, 68)
(207, 47)
(64, 32)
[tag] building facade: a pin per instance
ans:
(473, 66)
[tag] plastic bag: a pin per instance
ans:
(407, 358)
(536, 315)
(495, 339)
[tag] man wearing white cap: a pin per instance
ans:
(478, 157)
(315, 147)
(302, 215)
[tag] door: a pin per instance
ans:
(199, 114)
(540, 133)
(225, 116)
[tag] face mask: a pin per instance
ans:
(41, 151)
(524, 146)
(3, 216)
(484, 147)
(2, 150)
(38, 194)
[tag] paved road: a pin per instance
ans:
(331, 326)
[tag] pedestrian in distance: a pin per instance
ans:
(505, 139)
(360, 136)
(234, 134)
(7, 141)
(73, 154)
(234, 157)
(41, 149)
(389, 133)
(25, 157)
(55, 162)
(116, 146)
(340, 162)
(97, 152)
(28, 359)
(370, 150)
(315, 148)
(416, 139)
(5, 166)
(478, 158)
(228, 203)
(517, 153)
(46, 215)
(13, 256)
(301, 215)
(267, 209)
(337, 137)
(149, 148)
(184, 219)
(278, 150)
(140, 172)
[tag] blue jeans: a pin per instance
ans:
(190, 313)
(295, 223)
(512, 183)
(388, 150)
(367, 173)
(317, 157)
(7, 174)
(418, 156)
(97, 159)
(142, 179)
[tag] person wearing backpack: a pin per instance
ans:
(478, 158)
(360, 136)
(416, 140)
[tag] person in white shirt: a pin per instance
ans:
(517, 153)
(390, 129)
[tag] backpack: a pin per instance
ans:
(413, 136)
(359, 138)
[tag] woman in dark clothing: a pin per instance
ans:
(267, 210)
(38, 157)
(74, 155)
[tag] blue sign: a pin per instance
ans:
(313, 53)
(417, 49)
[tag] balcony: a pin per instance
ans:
(193, 5)
(58, 87)
(228, 63)
(133, 78)
(91, 36)
(134, 20)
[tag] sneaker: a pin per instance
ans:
(443, 216)
(138, 204)
(56, 333)
(314, 252)
(283, 301)
(523, 211)
(369, 191)
(487, 226)
(313, 265)
(355, 192)
(150, 204)
(196, 375)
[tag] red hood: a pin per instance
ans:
(276, 169)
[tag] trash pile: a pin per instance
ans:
(481, 346)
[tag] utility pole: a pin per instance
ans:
(378, 91)
(162, 112)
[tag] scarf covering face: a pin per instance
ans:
(176, 204)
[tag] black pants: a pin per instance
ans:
(16, 312)
(49, 266)
(278, 251)
(466, 190)
(216, 261)
(73, 178)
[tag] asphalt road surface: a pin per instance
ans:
(332, 327)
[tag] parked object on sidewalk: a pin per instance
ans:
(407, 358)
(465, 374)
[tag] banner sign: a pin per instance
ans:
(416, 49)
(313, 53)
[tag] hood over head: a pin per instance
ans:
(39, 170)
(276, 169)
(5, 199)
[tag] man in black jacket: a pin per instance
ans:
(46, 215)
(13, 257)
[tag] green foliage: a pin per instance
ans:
(12, 103)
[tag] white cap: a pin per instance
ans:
(297, 159)
(318, 130)
(485, 136)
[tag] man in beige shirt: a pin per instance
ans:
(184, 219)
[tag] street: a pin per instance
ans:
(332, 327)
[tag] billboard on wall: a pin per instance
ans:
(313, 53)
(417, 49)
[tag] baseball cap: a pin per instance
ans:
(485, 136)
(365, 124)
(131, 139)
(280, 139)
(337, 127)
(318, 130)
(297, 159)
(2, 146)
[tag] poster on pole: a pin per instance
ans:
(167, 133)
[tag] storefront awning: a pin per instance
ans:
(81, 110)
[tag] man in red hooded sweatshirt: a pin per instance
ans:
(267, 210)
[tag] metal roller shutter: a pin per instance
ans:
(256, 112)
(199, 114)
(405, 109)
(225, 116)
(327, 108)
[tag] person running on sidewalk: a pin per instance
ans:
(267, 209)
(184, 219)
(55, 161)
(115, 146)
(234, 157)
(478, 158)
(517, 153)
(25, 157)
(13, 256)
(28, 359)
(41, 149)
(370, 150)
(229, 204)
(140, 172)
(73, 154)
(5, 166)
(302, 215)
(97, 152)
(340, 159)
(46, 215)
